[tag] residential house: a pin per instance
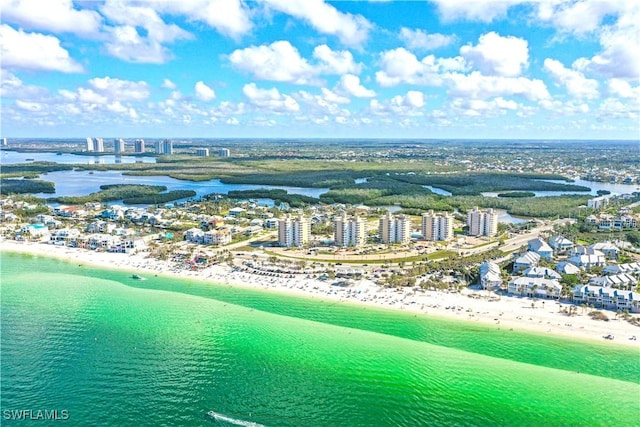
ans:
(540, 247)
(629, 268)
(490, 275)
(609, 250)
(526, 260)
(560, 244)
(564, 267)
(619, 281)
(543, 272)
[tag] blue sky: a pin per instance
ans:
(551, 69)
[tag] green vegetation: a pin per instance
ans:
(279, 196)
(25, 186)
(517, 194)
(129, 193)
(32, 170)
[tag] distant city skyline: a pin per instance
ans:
(443, 69)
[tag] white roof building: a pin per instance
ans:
(534, 287)
(490, 275)
(543, 272)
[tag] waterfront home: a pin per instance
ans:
(629, 268)
(128, 245)
(194, 235)
(217, 237)
(609, 250)
(32, 232)
(560, 244)
(609, 222)
(543, 272)
(619, 281)
(564, 267)
(101, 241)
(537, 287)
(611, 298)
(100, 227)
(490, 275)
(64, 236)
(540, 247)
(526, 260)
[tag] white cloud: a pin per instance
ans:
(122, 90)
(576, 16)
(484, 11)
(482, 108)
(126, 42)
(401, 66)
(12, 87)
(352, 30)
(351, 85)
(623, 89)
(229, 17)
(336, 62)
(497, 55)
(270, 99)
(476, 85)
(576, 83)
(204, 92)
(29, 106)
(419, 39)
(279, 61)
(33, 51)
(57, 16)
(168, 84)
(410, 104)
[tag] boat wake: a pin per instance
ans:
(234, 421)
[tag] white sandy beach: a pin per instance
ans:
(509, 313)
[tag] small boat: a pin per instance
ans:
(137, 277)
(225, 419)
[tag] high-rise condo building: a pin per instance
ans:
(224, 152)
(118, 145)
(394, 229)
(97, 145)
(349, 231)
(202, 152)
(167, 146)
(89, 144)
(294, 231)
(437, 226)
(3, 142)
(138, 146)
(482, 222)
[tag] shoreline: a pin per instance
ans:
(508, 313)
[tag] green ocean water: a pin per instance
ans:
(111, 350)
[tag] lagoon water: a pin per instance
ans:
(116, 351)
(14, 157)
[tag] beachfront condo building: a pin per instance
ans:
(3, 142)
(224, 152)
(138, 146)
(294, 232)
(95, 145)
(349, 231)
(437, 226)
(202, 152)
(394, 229)
(482, 222)
(164, 147)
(118, 145)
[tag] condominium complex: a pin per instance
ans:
(482, 222)
(224, 152)
(349, 231)
(164, 147)
(294, 231)
(138, 146)
(3, 142)
(118, 145)
(202, 152)
(394, 229)
(95, 145)
(437, 226)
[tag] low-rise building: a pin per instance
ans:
(543, 272)
(536, 287)
(610, 298)
(619, 281)
(540, 247)
(560, 244)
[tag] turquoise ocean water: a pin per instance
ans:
(112, 350)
